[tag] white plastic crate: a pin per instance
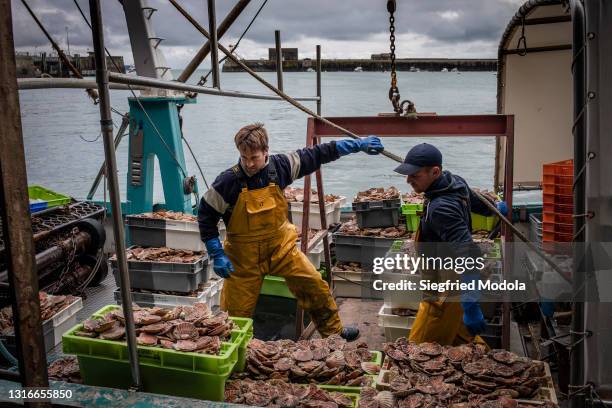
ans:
(214, 287)
(316, 254)
(394, 326)
(55, 327)
(405, 299)
(344, 288)
(332, 213)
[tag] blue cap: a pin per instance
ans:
(422, 155)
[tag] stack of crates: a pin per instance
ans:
(153, 277)
(558, 199)
(105, 363)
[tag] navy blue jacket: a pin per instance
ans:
(217, 202)
(447, 218)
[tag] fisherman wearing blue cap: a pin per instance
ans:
(445, 226)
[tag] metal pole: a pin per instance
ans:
(279, 60)
(214, 50)
(203, 52)
(68, 83)
(161, 83)
(106, 124)
(16, 221)
(124, 124)
(579, 269)
(318, 80)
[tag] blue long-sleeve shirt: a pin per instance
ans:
(447, 221)
(223, 194)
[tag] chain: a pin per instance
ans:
(394, 95)
(69, 261)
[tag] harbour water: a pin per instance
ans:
(64, 148)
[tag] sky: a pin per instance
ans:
(343, 28)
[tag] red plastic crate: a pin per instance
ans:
(560, 168)
(557, 189)
(558, 208)
(557, 218)
(558, 199)
(556, 237)
(555, 179)
(557, 227)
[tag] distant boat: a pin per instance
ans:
(413, 69)
(454, 70)
(358, 69)
(310, 70)
(444, 69)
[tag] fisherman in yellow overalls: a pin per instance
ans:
(451, 317)
(260, 239)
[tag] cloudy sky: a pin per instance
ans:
(344, 28)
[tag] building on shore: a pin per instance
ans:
(34, 65)
(376, 62)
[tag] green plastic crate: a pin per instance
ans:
(410, 213)
(377, 357)
(275, 286)
(482, 223)
(246, 331)
(105, 363)
(45, 198)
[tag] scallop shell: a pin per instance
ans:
(145, 339)
(370, 367)
(335, 359)
(154, 328)
(185, 345)
(105, 325)
(91, 324)
(114, 333)
(302, 355)
(185, 331)
(84, 333)
(385, 399)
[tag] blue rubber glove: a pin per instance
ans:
(547, 307)
(369, 145)
(502, 207)
(473, 318)
(472, 313)
(221, 263)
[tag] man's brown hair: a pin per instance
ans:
(254, 137)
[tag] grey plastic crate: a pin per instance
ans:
(535, 229)
(357, 248)
(162, 300)
(377, 205)
(175, 277)
(146, 232)
(378, 218)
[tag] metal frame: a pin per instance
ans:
(16, 223)
(400, 126)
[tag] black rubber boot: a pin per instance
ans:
(349, 333)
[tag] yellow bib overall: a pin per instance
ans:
(438, 319)
(261, 241)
